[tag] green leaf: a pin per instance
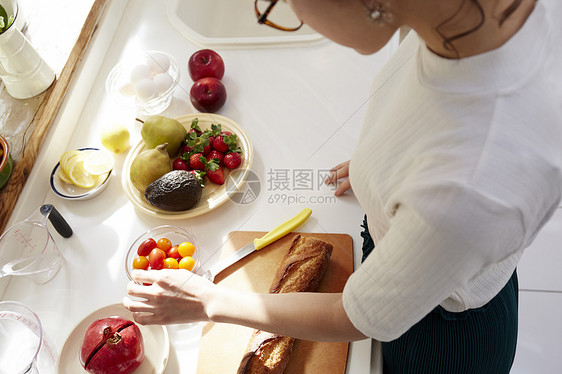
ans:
(231, 141)
(215, 129)
(190, 136)
(195, 125)
(198, 143)
(210, 165)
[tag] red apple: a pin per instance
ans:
(205, 63)
(112, 345)
(208, 95)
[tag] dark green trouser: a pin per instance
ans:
(477, 341)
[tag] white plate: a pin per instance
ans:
(72, 192)
(213, 195)
(156, 343)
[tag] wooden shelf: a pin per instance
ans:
(42, 113)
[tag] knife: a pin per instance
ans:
(258, 243)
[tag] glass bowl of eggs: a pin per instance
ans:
(146, 83)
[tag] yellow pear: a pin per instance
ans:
(148, 166)
(157, 130)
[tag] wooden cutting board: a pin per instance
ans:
(223, 345)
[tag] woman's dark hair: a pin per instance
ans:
(476, 10)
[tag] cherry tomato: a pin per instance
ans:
(141, 263)
(146, 246)
(171, 263)
(164, 244)
(173, 253)
(187, 263)
(156, 258)
(186, 249)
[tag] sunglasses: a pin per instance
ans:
(263, 12)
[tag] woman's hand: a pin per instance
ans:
(173, 296)
(179, 296)
(338, 172)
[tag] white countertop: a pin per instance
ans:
(302, 107)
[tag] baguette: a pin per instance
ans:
(266, 354)
(301, 270)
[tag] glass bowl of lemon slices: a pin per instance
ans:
(82, 173)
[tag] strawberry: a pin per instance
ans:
(214, 171)
(216, 176)
(232, 160)
(199, 175)
(193, 131)
(207, 149)
(185, 149)
(226, 142)
(197, 161)
(180, 164)
(214, 154)
(219, 144)
(211, 140)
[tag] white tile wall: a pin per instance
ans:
(541, 265)
(539, 345)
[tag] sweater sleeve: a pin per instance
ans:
(440, 237)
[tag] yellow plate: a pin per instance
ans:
(213, 195)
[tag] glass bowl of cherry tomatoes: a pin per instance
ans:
(163, 247)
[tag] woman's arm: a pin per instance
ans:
(177, 296)
(310, 316)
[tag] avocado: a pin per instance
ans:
(176, 190)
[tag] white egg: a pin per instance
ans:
(158, 63)
(139, 73)
(146, 89)
(163, 82)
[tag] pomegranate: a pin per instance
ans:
(112, 345)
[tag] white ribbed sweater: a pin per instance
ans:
(457, 168)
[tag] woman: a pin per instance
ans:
(457, 168)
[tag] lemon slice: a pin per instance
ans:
(80, 177)
(75, 159)
(63, 176)
(65, 158)
(98, 163)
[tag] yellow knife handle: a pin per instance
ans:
(283, 229)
